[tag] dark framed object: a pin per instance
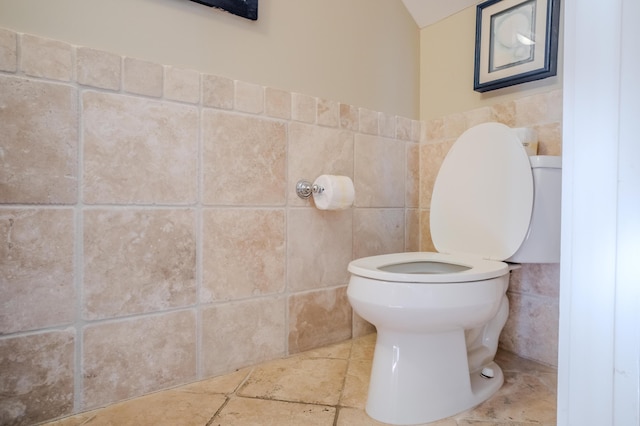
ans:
(245, 8)
(516, 42)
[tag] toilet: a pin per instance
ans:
(439, 315)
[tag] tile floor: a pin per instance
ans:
(326, 386)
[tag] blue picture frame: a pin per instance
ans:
(516, 42)
(245, 8)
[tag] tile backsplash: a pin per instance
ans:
(151, 231)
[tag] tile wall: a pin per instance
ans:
(532, 327)
(151, 234)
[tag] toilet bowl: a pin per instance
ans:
(439, 315)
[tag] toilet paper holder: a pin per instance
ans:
(304, 189)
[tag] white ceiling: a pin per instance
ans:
(427, 12)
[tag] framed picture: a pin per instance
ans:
(516, 42)
(245, 8)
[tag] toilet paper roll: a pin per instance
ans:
(338, 192)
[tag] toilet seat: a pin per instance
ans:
(427, 267)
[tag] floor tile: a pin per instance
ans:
(260, 412)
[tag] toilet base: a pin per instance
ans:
(420, 378)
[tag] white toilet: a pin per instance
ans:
(439, 315)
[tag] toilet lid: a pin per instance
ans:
(483, 195)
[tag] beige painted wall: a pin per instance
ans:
(447, 50)
(359, 52)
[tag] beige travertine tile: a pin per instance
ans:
(512, 363)
(328, 113)
(426, 244)
(368, 121)
(531, 330)
(478, 116)
(454, 125)
(168, 408)
(387, 123)
(182, 84)
(536, 278)
(258, 412)
(356, 384)
(8, 50)
(143, 77)
(378, 231)
(539, 108)
(340, 350)
(549, 138)
(226, 384)
(412, 180)
(36, 269)
(303, 108)
(364, 346)
(277, 103)
(403, 128)
(416, 131)
(244, 159)
(39, 134)
(135, 356)
(522, 398)
(431, 157)
(504, 113)
(217, 92)
(98, 69)
(148, 157)
(349, 117)
(361, 327)
(239, 334)
(36, 377)
(318, 248)
(351, 417)
(243, 253)
(42, 57)
(412, 230)
(315, 151)
(297, 379)
(138, 261)
(249, 97)
(318, 318)
(435, 130)
(379, 172)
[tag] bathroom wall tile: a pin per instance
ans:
(138, 261)
(435, 130)
(542, 279)
(36, 269)
(478, 116)
(505, 113)
(243, 253)
(244, 159)
(412, 180)
(378, 231)
(403, 128)
(277, 103)
(8, 51)
(328, 113)
(250, 411)
(549, 138)
(42, 57)
(387, 123)
(431, 157)
(39, 134)
(360, 326)
(454, 125)
(217, 92)
(349, 117)
(239, 334)
(318, 318)
(249, 97)
(318, 248)
(143, 77)
(36, 377)
(531, 330)
(426, 243)
(98, 69)
(182, 85)
(416, 130)
(379, 172)
(412, 230)
(539, 108)
(368, 121)
(140, 355)
(138, 151)
(303, 108)
(314, 151)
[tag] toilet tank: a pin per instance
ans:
(542, 243)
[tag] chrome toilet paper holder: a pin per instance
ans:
(304, 189)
